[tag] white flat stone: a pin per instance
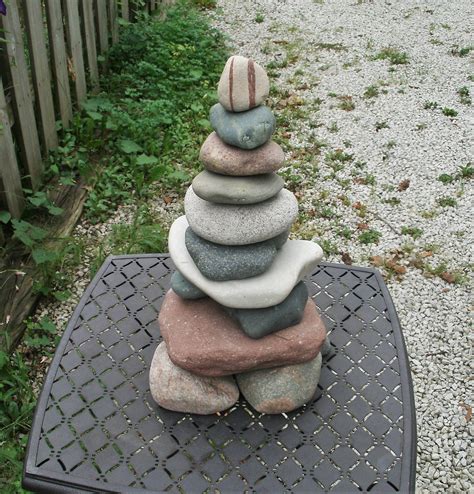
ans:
(230, 224)
(295, 260)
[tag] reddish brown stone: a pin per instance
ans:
(203, 339)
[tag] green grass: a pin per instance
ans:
(371, 91)
(369, 237)
(446, 202)
(393, 55)
(412, 231)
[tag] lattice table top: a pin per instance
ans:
(96, 427)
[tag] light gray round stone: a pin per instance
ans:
(225, 189)
(246, 130)
(179, 390)
(229, 224)
(281, 389)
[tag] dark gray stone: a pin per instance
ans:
(184, 288)
(232, 262)
(257, 323)
(281, 389)
(246, 130)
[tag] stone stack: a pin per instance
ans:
(238, 305)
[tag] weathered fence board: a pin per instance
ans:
(102, 25)
(89, 29)
(59, 59)
(41, 74)
(9, 169)
(73, 28)
(25, 115)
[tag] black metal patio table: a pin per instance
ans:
(97, 429)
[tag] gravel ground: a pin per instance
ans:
(366, 162)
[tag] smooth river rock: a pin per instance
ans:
(219, 157)
(243, 84)
(203, 339)
(184, 288)
(223, 189)
(229, 224)
(246, 130)
(294, 260)
(231, 262)
(179, 390)
(281, 389)
(257, 323)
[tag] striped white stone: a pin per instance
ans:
(243, 84)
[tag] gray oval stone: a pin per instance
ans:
(230, 224)
(224, 189)
(245, 130)
(179, 390)
(281, 389)
(184, 288)
(231, 262)
(257, 323)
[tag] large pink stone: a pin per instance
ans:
(203, 339)
(219, 157)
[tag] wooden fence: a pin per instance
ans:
(49, 61)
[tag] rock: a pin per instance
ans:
(243, 84)
(257, 323)
(181, 391)
(223, 189)
(231, 262)
(295, 260)
(230, 224)
(203, 339)
(281, 389)
(184, 288)
(246, 130)
(219, 157)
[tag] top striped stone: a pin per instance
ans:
(243, 84)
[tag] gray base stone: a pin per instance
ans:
(281, 389)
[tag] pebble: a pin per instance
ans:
(179, 390)
(257, 323)
(281, 389)
(243, 84)
(184, 288)
(229, 224)
(203, 339)
(222, 189)
(219, 157)
(294, 260)
(245, 130)
(232, 262)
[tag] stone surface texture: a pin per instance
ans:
(245, 130)
(177, 389)
(223, 189)
(229, 224)
(257, 323)
(281, 389)
(203, 339)
(184, 288)
(294, 260)
(243, 84)
(231, 262)
(219, 157)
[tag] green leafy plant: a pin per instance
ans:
(393, 55)
(369, 236)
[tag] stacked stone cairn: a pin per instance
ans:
(238, 315)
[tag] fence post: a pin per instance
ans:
(41, 75)
(89, 28)
(114, 27)
(102, 25)
(75, 47)
(59, 59)
(9, 165)
(25, 115)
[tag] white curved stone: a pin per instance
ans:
(230, 224)
(295, 260)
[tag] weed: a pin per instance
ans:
(449, 112)
(421, 126)
(259, 18)
(447, 202)
(393, 201)
(333, 127)
(369, 237)
(346, 103)
(466, 171)
(379, 125)
(445, 178)
(393, 55)
(464, 95)
(371, 91)
(461, 52)
(412, 231)
(330, 46)
(329, 248)
(338, 155)
(430, 105)
(345, 232)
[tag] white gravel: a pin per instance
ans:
(422, 144)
